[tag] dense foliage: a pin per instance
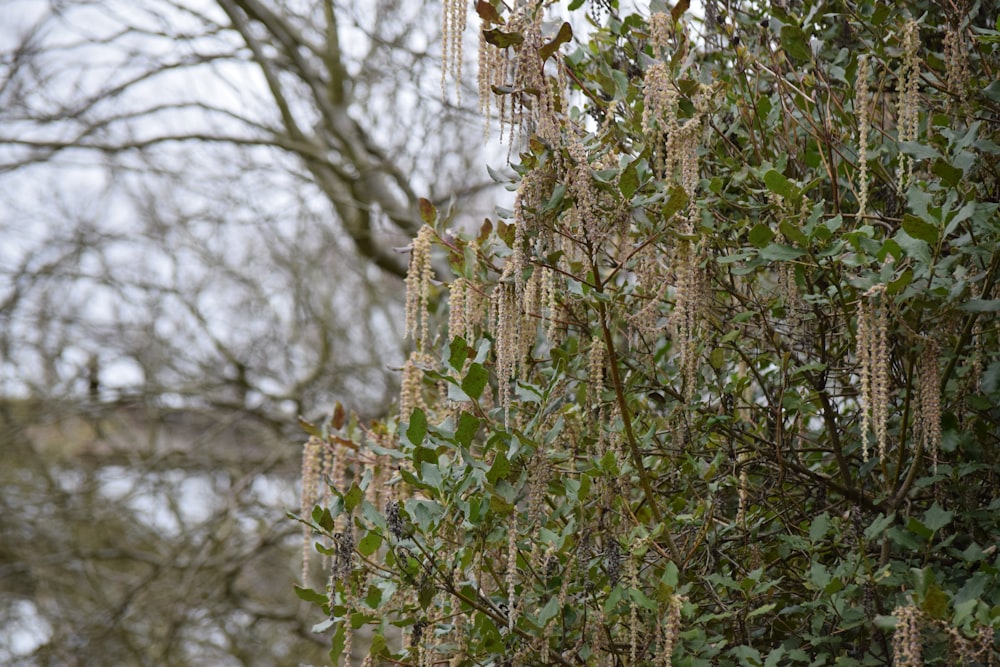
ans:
(723, 388)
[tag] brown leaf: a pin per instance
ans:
(488, 13)
(484, 231)
(501, 39)
(339, 416)
(678, 11)
(564, 35)
(427, 211)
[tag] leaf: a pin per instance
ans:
(628, 183)
(488, 13)
(323, 518)
(323, 626)
(475, 380)
(677, 201)
(779, 185)
(311, 596)
(992, 91)
(760, 235)
(417, 429)
(427, 211)
(795, 43)
(499, 469)
(950, 175)
(793, 233)
(576, 4)
(549, 611)
(468, 425)
(915, 248)
(900, 283)
(937, 517)
(780, 252)
(339, 416)
(920, 229)
(309, 428)
(763, 609)
(558, 193)
(564, 35)
(918, 150)
(678, 10)
(431, 474)
(353, 497)
(458, 352)
(819, 528)
(935, 602)
(774, 657)
(501, 39)
(981, 305)
(369, 544)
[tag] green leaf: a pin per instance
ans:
(558, 193)
(935, 602)
(468, 425)
(878, 526)
(792, 232)
(913, 247)
(992, 91)
(499, 469)
(671, 575)
(621, 83)
(763, 609)
(353, 497)
(311, 596)
(677, 201)
(900, 283)
(431, 474)
(417, 429)
(918, 150)
(950, 175)
(920, 229)
(937, 517)
(458, 352)
(549, 611)
(323, 626)
(780, 252)
(427, 211)
(981, 305)
(779, 185)
(761, 235)
(819, 528)
(475, 380)
(369, 544)
(323, 518)
(795, 43)
(628, 183)
(774, 657)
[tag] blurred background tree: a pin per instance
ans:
(201, 206)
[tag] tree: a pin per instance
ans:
(722, 387)
(199, 206)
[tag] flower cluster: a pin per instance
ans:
(861, 111)
(453, 22)
(908, 90)
(929, 400)
(956, 61)
(907, 650)
(873, 358)
(418, 285)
